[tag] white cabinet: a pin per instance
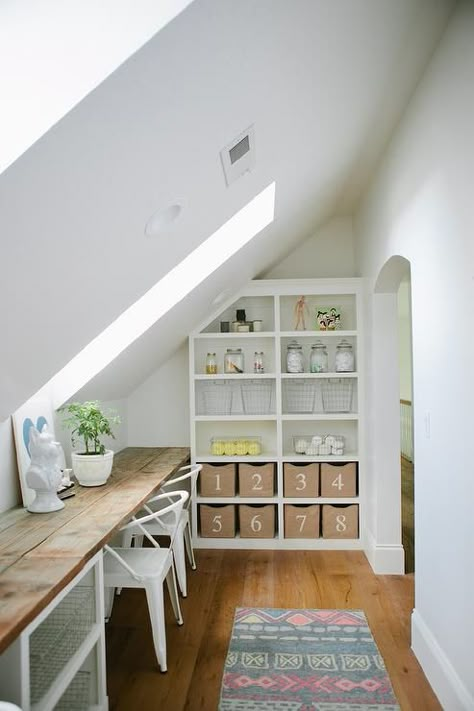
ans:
(58, 661)
(278, 409)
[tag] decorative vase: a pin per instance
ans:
(92, 469)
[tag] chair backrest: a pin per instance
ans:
(172, 511)
(188, 473)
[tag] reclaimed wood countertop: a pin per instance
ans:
(41, 553)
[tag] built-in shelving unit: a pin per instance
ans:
(228, 410)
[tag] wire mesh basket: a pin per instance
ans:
(298, 396)
(337, 395)
(215, 399)
(77, 695)
(56, 639)
(257, 397)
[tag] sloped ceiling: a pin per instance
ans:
(323, 81)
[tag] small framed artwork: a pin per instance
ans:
(328, 318)
(37, 413)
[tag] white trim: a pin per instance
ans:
(384, 558)
(442, 676)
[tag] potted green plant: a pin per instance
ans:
(89, 423)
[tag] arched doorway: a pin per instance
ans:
(386, 548)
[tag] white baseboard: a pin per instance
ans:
(446, 684)
(385, 559)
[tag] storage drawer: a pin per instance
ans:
(217, 520)
(301, 480)
(301, 521)
(256, 479)
(257, 521)
(340, 521)
(217, 480)
(338, 480)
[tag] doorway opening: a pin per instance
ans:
(407, 465)
(392, 395)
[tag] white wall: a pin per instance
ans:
(420, 206)
(158, 410)
(327, 253)
(10, 487)
(404, 340)
(76, 45)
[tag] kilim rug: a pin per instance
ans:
(304, 660)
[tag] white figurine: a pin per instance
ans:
(44, 475)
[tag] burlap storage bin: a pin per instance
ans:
(256, 479)
(217, 520)
(217, 480)
(340, 521)
(301, 480)
(338, 480)
(302, 520)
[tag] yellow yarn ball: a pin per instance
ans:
(229, 449)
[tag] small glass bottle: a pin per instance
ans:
(344, 357)
(258, 365)
(294, 358)
(318, 361)
(234, 360)
(211, 364)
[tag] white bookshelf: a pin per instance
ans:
(273, 301)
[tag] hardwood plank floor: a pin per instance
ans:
(408, 513)
(228, 579)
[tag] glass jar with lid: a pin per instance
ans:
(344, 357)
(234, 360)
(211, 364)
(318, 360)
(258, 364)
(294, 358)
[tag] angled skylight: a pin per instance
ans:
(166, 293)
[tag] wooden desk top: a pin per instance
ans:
(41, 553)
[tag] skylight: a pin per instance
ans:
(166, 293)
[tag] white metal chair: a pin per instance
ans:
(163, 526)
(149, 567)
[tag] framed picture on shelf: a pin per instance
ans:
(328, 318)
(37, 412)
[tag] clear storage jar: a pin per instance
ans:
(318, 360)
(234, 360)
(344, 358)
(294, 358)
(211, 364)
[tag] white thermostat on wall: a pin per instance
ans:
(238, 157)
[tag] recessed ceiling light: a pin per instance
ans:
(162, 219)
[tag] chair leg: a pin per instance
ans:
(189, 546)
(154, 595)
(180, 563)
(173, 591)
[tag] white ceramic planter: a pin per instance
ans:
(92, 469)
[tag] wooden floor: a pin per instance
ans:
(408, 513)
(228, 579)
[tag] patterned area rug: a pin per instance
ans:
(304, 660)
